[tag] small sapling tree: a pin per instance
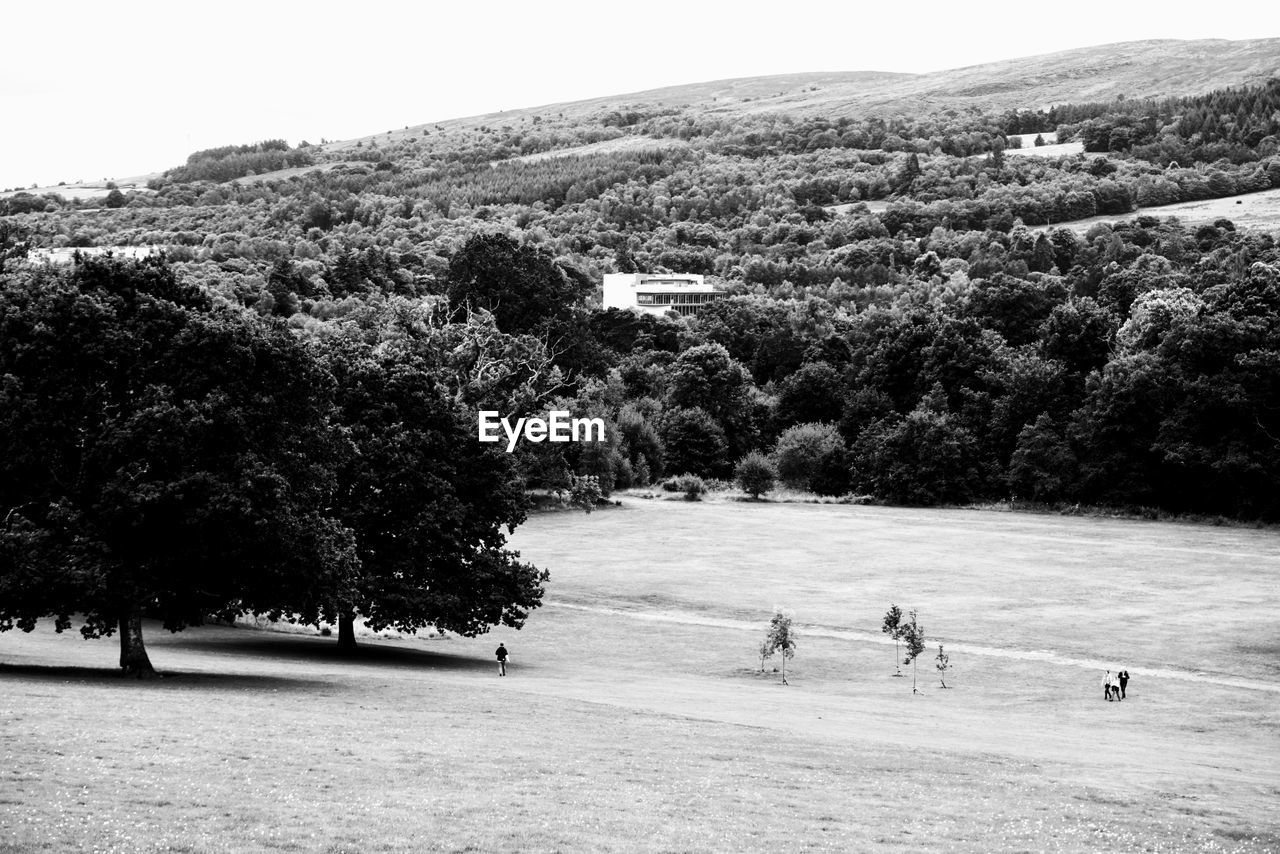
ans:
(893, 628)
(943, 664)
(912, 634)
(781, 638)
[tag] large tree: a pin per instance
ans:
(706, 377)
(427, 502)
(522, 286)
(158, 457)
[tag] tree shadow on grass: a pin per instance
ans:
(111, 676)
(325, 651)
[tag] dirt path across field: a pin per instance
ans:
(1040, 656)
(1136, 745)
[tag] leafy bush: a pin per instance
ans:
(755, 474)
(691, 485)
(812, 456)
(694, 442)
(643, 477)
(584, 491)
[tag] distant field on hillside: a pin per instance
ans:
(635, 715)
(66, 254)
(88, 190)
(1259, 210)
(1051, 148)
(610, 146)
(1057, 150)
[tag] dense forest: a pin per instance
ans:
(908, 318)
(1239, 125)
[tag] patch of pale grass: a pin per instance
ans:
(391, 757)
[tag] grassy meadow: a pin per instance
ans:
(636, 718)
(1259, 210)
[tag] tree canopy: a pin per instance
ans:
(158, 456)
(424, 500)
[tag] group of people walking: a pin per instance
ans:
(1113, 687)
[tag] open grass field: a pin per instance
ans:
(609, 146)
(1051, 148)
(1260, 210)
(635, 717)
(86, 190)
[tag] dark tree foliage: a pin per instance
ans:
(1043, 467)
(640, 441)
(623, 332)
(1188, 418)
(425, 501)
(810, 394)
(235, 161)
(20, 203)
(707, 378)
(158, 457)
(927, 457)
(521, 286)
(1014, 307)
(812, 457)
(755, 474)
(694, 443)
(755, 332)
(1077, 333)
(15, 243)
(1227, 124)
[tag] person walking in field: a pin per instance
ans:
(501, 653)
(1106, 686)
(1124, 682)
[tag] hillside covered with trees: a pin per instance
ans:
(908, 319)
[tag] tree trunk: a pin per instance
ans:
(347, 633)
(133, 652)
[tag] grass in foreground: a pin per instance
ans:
(649, 728)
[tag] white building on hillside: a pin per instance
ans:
(658, 293)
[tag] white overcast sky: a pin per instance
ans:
(114, 89)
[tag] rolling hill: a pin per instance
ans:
(1143, 69)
